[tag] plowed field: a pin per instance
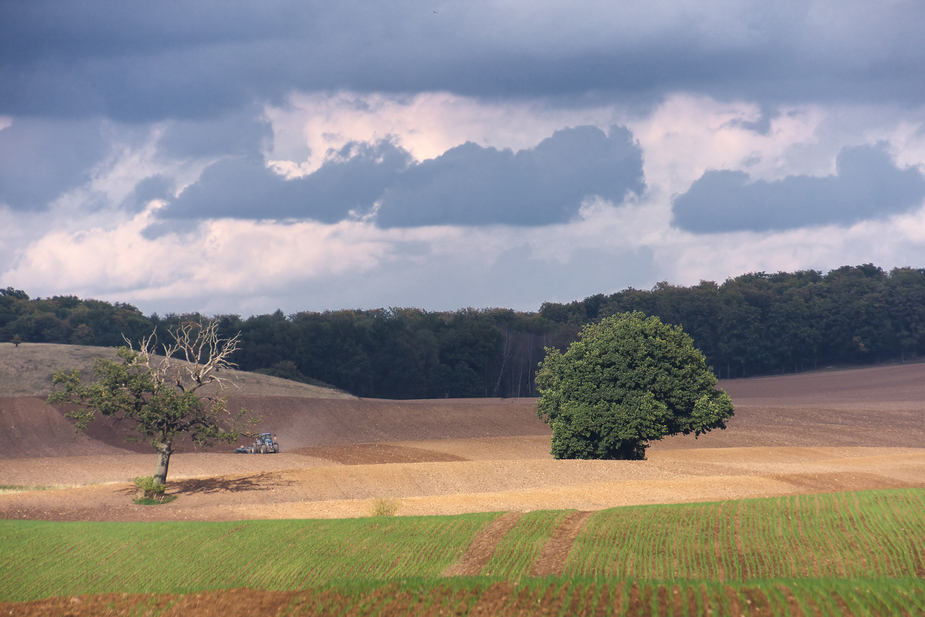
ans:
(817, 432)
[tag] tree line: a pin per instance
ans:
(749, 325)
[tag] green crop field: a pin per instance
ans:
(860, 553)
(43, 559)
(519, 549)
(867, 534)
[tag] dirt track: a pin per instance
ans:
(830, 431)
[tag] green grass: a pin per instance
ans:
(863, 553)
(519, 549)
(25, 488)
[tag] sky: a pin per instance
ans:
(243, 157)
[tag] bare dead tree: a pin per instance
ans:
(203, 353)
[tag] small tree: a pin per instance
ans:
(16, 340)
(628, 380)
(158, 395)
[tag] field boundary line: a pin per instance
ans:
(552, 558)
(483, 546)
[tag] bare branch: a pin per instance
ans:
(205, 353)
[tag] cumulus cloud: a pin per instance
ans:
(244, 187)
(312, 155)
(467, 185)
(223, 258)
(426, 124)
(248, 267)
(472, 185)
(867, 185)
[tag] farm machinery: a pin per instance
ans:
(265, 443)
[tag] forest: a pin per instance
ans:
(753, 324)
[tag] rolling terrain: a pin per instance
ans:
(815, 432)
(539, 533)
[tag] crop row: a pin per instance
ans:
(42, 559)
(866, 535)
(520, 548)
(846, 535)
(563, 596)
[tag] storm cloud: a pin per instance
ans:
(42, 158)
(467, 185)
(197, 59)
(244, 187)
(238, 156)
(867, 185)
(472, 185)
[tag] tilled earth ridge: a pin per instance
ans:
(827, 431)
(316, 490)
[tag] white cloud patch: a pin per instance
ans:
(245, 266)
(94, 244)
(687, 135)
(689, 259)
(224, 256)
(313, 128)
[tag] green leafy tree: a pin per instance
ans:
(628, 380)
(158, 395)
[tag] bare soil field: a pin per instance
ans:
(815, 432)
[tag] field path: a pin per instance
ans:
(556, 550)
(483, 546)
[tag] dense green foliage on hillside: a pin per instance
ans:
(753, 324)
(784, 322)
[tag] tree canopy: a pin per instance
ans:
(157, 395)
(753, 324)
(626, 381)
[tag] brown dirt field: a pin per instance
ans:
(826, 431)
(497, 599)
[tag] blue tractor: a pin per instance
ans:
(265, 443)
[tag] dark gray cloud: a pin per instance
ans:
(243, 187)
(152, 187)
(467, 185)
(867, 185)
(198, 59)
(233, 134)
(472, 185)
(40, 159)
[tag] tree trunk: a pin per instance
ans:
(163, 461)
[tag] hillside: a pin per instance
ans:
(878, 406)
(820, 432)
(27, 370)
